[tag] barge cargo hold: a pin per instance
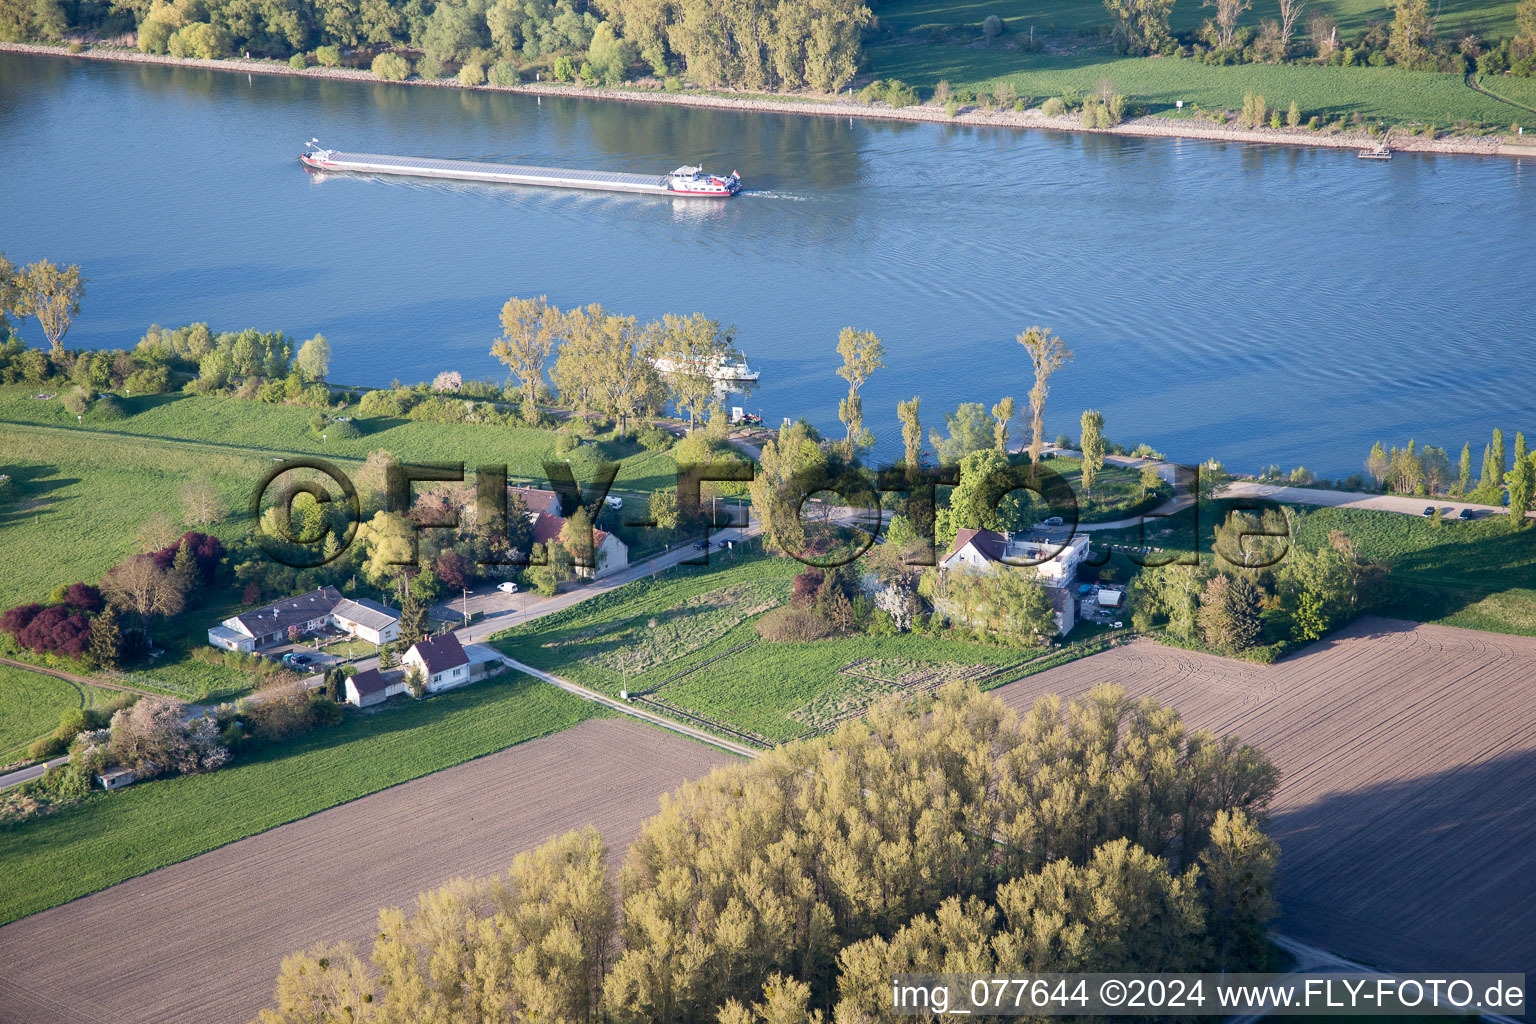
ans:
(685, 181)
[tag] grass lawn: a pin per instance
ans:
(1392, 94)
(679, 638)
(1480, 574)
(243, 427)
(31, 703)
(112, 837)
(1489, 18)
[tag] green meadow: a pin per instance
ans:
(112, 837)
(31, 703)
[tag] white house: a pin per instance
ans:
(251, 631)
(373, 687)
(367, 620)
(610, 553)
(441, 662)
(1054, 559)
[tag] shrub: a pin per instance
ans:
(1293, 115)
(672, 84)
(951, 108)
(563, 70)
(154, 36)
(76, 46)
(471, 75)
(396, 402)
(328, 56)
(391, 67)
(654, 439)
(199, 39)
(429, 68)
(77, 401)
(992, 27)
(342, 430)
(788, 623)
(298, 62)
(1053, 107)
(1274, 119)
(110, 407)
(505, 74)
(900, 94)
(152, 380)
(48, 746)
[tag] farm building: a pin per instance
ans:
(373, 687)
(610, 553)
(311, 612)
(117, 778)
(441, 661)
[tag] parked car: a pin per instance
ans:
(701, 545)
(296, 660)
(1466, 513)
(507, 588)
(1429, 510)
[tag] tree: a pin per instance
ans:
(1310, 620)
(626, 382)
(529, 331)
(609, 55)
(1046, 354)
(1413, 31)
(1093, 449)
(1142, 24)
(1525, 25)
(970, 430)
(1522, 487)
(1002, 414)
(314, 359)
(1464, 480)
(201, 502)
(10, 295)
(413, 619)
(911, 432)
(1150, 479)
(142, 586)
(1239, 870)
(1229, 613)
(692, 349)
(1227, 13)
(664, 509)
(863, 354)
(325, 983)
(1290, 14)
(52, 294)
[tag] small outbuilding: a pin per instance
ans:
(117, 778)
(373, 687)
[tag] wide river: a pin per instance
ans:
(1254, 304)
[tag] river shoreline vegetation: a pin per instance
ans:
(1328, 68)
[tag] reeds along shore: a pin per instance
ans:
(1142, 126)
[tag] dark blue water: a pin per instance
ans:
(1257, 305)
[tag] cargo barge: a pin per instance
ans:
(685, 181)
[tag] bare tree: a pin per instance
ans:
(1046, 354)
(52, 294)
(1290, 14)
(157, 532)
(201, 501)
(1227, 13)
(1324, 31)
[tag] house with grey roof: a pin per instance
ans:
(311, 612)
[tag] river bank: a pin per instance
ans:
(1148, 126)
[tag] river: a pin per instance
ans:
(1256, 304)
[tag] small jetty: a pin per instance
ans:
(1377, 153)
(685, 181)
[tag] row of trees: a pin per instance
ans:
(1097, 835)
(782, 44)
(1427, 471)
(1272, 590)
(1411, 38)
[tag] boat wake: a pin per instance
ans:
(767, 193)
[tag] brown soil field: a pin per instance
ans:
(1406, 814)
(200, 941)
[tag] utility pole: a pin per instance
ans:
(466, 606)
